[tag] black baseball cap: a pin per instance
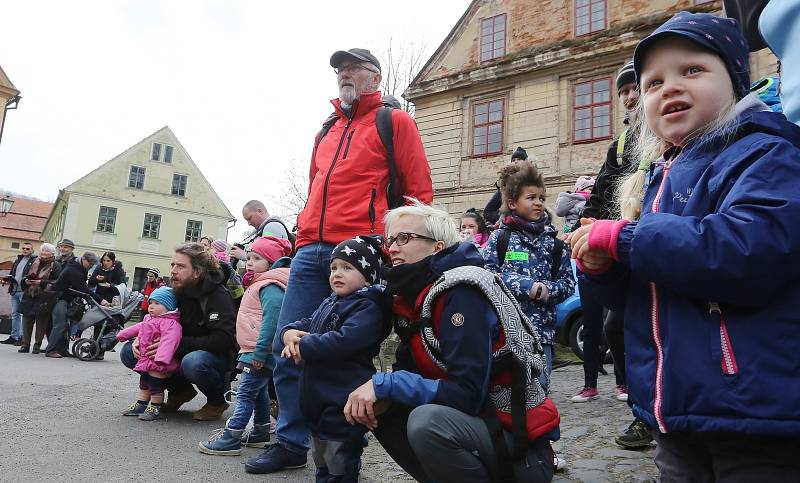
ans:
(360, 55)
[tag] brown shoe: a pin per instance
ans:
(210, 412)
(54, 355)
(177, 398)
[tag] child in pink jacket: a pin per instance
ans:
(162, 321)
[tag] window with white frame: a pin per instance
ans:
(179, 185)
(152, 225)
(106, 219)
(136, 178)
(193, 230)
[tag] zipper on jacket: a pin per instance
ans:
(330, 171)
(654, 321)
(729, 365)
(372, 211)
(349, 138)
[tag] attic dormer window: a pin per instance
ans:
(157, 151)
(493, 37)
(156, 154)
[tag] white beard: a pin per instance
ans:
(347, 94)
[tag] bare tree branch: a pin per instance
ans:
(400, 65)
(291, 199)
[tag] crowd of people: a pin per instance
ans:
(683, 245)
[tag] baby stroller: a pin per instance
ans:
(107, 321)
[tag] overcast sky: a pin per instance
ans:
(243, 84)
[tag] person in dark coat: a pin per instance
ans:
(37, 304)
(73, 276)
(107, 276)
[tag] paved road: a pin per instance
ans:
(60, 420)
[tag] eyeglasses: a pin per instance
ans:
(402, 238)
(354, 67)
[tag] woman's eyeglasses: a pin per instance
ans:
(402, 238)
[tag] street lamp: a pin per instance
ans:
(5, 205)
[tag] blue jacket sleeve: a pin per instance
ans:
(563, 286)
(520, 285)
(271, 299)
(362, 327)
(739, 253)
(465, 348)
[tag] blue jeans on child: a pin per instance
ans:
(252, 399)
(308, 286)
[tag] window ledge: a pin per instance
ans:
(111, 233)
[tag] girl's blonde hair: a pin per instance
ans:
(648, 148)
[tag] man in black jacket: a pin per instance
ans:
(208, 347)
(19, 270)
(73, 276)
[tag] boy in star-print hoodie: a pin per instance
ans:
(336, 347)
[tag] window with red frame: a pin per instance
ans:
(493, 37)
(487, 127)
(591, 110)
(590, 16)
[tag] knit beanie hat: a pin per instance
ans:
(364, 253)
(584, 182)
(519, 154)
(626, 75)
(154, 271)
(271, 248)
(717, 34)
(166, 297)
(219, 245)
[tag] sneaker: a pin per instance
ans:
(559, 463)
(257, 437)
(637, 436)
(135, 409)
(151, 413)
(177, 398)
(10, 341)
(275, 458)
(586, 394)
(54, 355)
(24, 349)
(621, 391)
(210, 412)
(224, 442)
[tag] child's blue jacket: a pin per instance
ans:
(712, 281)
(345, 334)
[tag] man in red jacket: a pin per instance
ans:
(347, 196)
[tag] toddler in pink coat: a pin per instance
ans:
(162, 322)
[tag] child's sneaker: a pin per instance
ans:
(586, 394)
(135, 409)
(224, 442)
(621, 392)
(258, 437)
(151, 413)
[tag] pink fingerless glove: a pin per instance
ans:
(604, 234)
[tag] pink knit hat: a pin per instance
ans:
(271, 248)
(584, 182)
(219, 245)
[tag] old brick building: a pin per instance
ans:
(534, 74)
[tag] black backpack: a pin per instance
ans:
(290, 235)
(383, 122)
(502, 249)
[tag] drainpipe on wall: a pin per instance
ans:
(11, 104)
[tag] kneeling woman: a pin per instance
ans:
(439, 401)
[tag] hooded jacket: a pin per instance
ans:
(349, 174)
(212, 328)
(345, 333)
(710, 271)
(167, 328)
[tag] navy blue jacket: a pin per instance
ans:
(713, 286)
(466, 348)
(345, 333)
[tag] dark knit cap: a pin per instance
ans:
(626, 75)
(717, 34)
(519, 154)
(364, 253)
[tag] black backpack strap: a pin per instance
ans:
(383, 122)
(505, 466)
(326, 126)
(502, 245)
(558, 252)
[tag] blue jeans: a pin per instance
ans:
(308, 286)
(252, 399)
(201, 368)
(57, 338)
(16, 315)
